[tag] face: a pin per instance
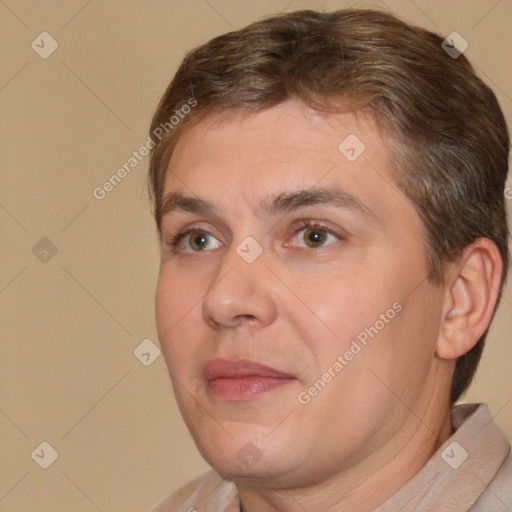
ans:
(292, 306)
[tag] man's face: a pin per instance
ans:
(339, 309)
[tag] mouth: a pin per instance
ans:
(242, 380)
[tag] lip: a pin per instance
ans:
(242, 379)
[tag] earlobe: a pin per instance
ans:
(471, 296)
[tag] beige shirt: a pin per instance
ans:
(472, 470)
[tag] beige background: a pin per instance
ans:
(69, 325)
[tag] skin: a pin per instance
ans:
(297, 307)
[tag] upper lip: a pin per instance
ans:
(224, 368)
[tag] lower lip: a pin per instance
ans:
(244, 388)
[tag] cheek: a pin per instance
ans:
(420, 327)
(402, 354)
(177, 304)
(350, 302)
(165, 307)
(374, 306)
(175, 297)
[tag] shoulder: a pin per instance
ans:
(498, 495)
(206, 489)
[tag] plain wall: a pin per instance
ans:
(70, 324)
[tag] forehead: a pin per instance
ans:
(236, 159)
(289, 133)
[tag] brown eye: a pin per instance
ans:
(198, 241)
(314, 237)
(193, 240)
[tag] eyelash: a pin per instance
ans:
(175, 240)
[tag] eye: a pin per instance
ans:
(197, 240)
(314, 235)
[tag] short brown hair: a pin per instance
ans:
(450, 137)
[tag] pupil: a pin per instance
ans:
(202, 240)
(315, 236)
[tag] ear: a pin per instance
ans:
(472, 289)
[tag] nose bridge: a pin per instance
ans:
(238, 291)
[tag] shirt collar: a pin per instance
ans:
(460, 470)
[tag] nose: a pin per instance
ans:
(241, 293)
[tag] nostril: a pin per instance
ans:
(213, 323)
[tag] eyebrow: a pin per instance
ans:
(283, 202)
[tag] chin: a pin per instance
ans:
(243, 456)
(249, 465)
